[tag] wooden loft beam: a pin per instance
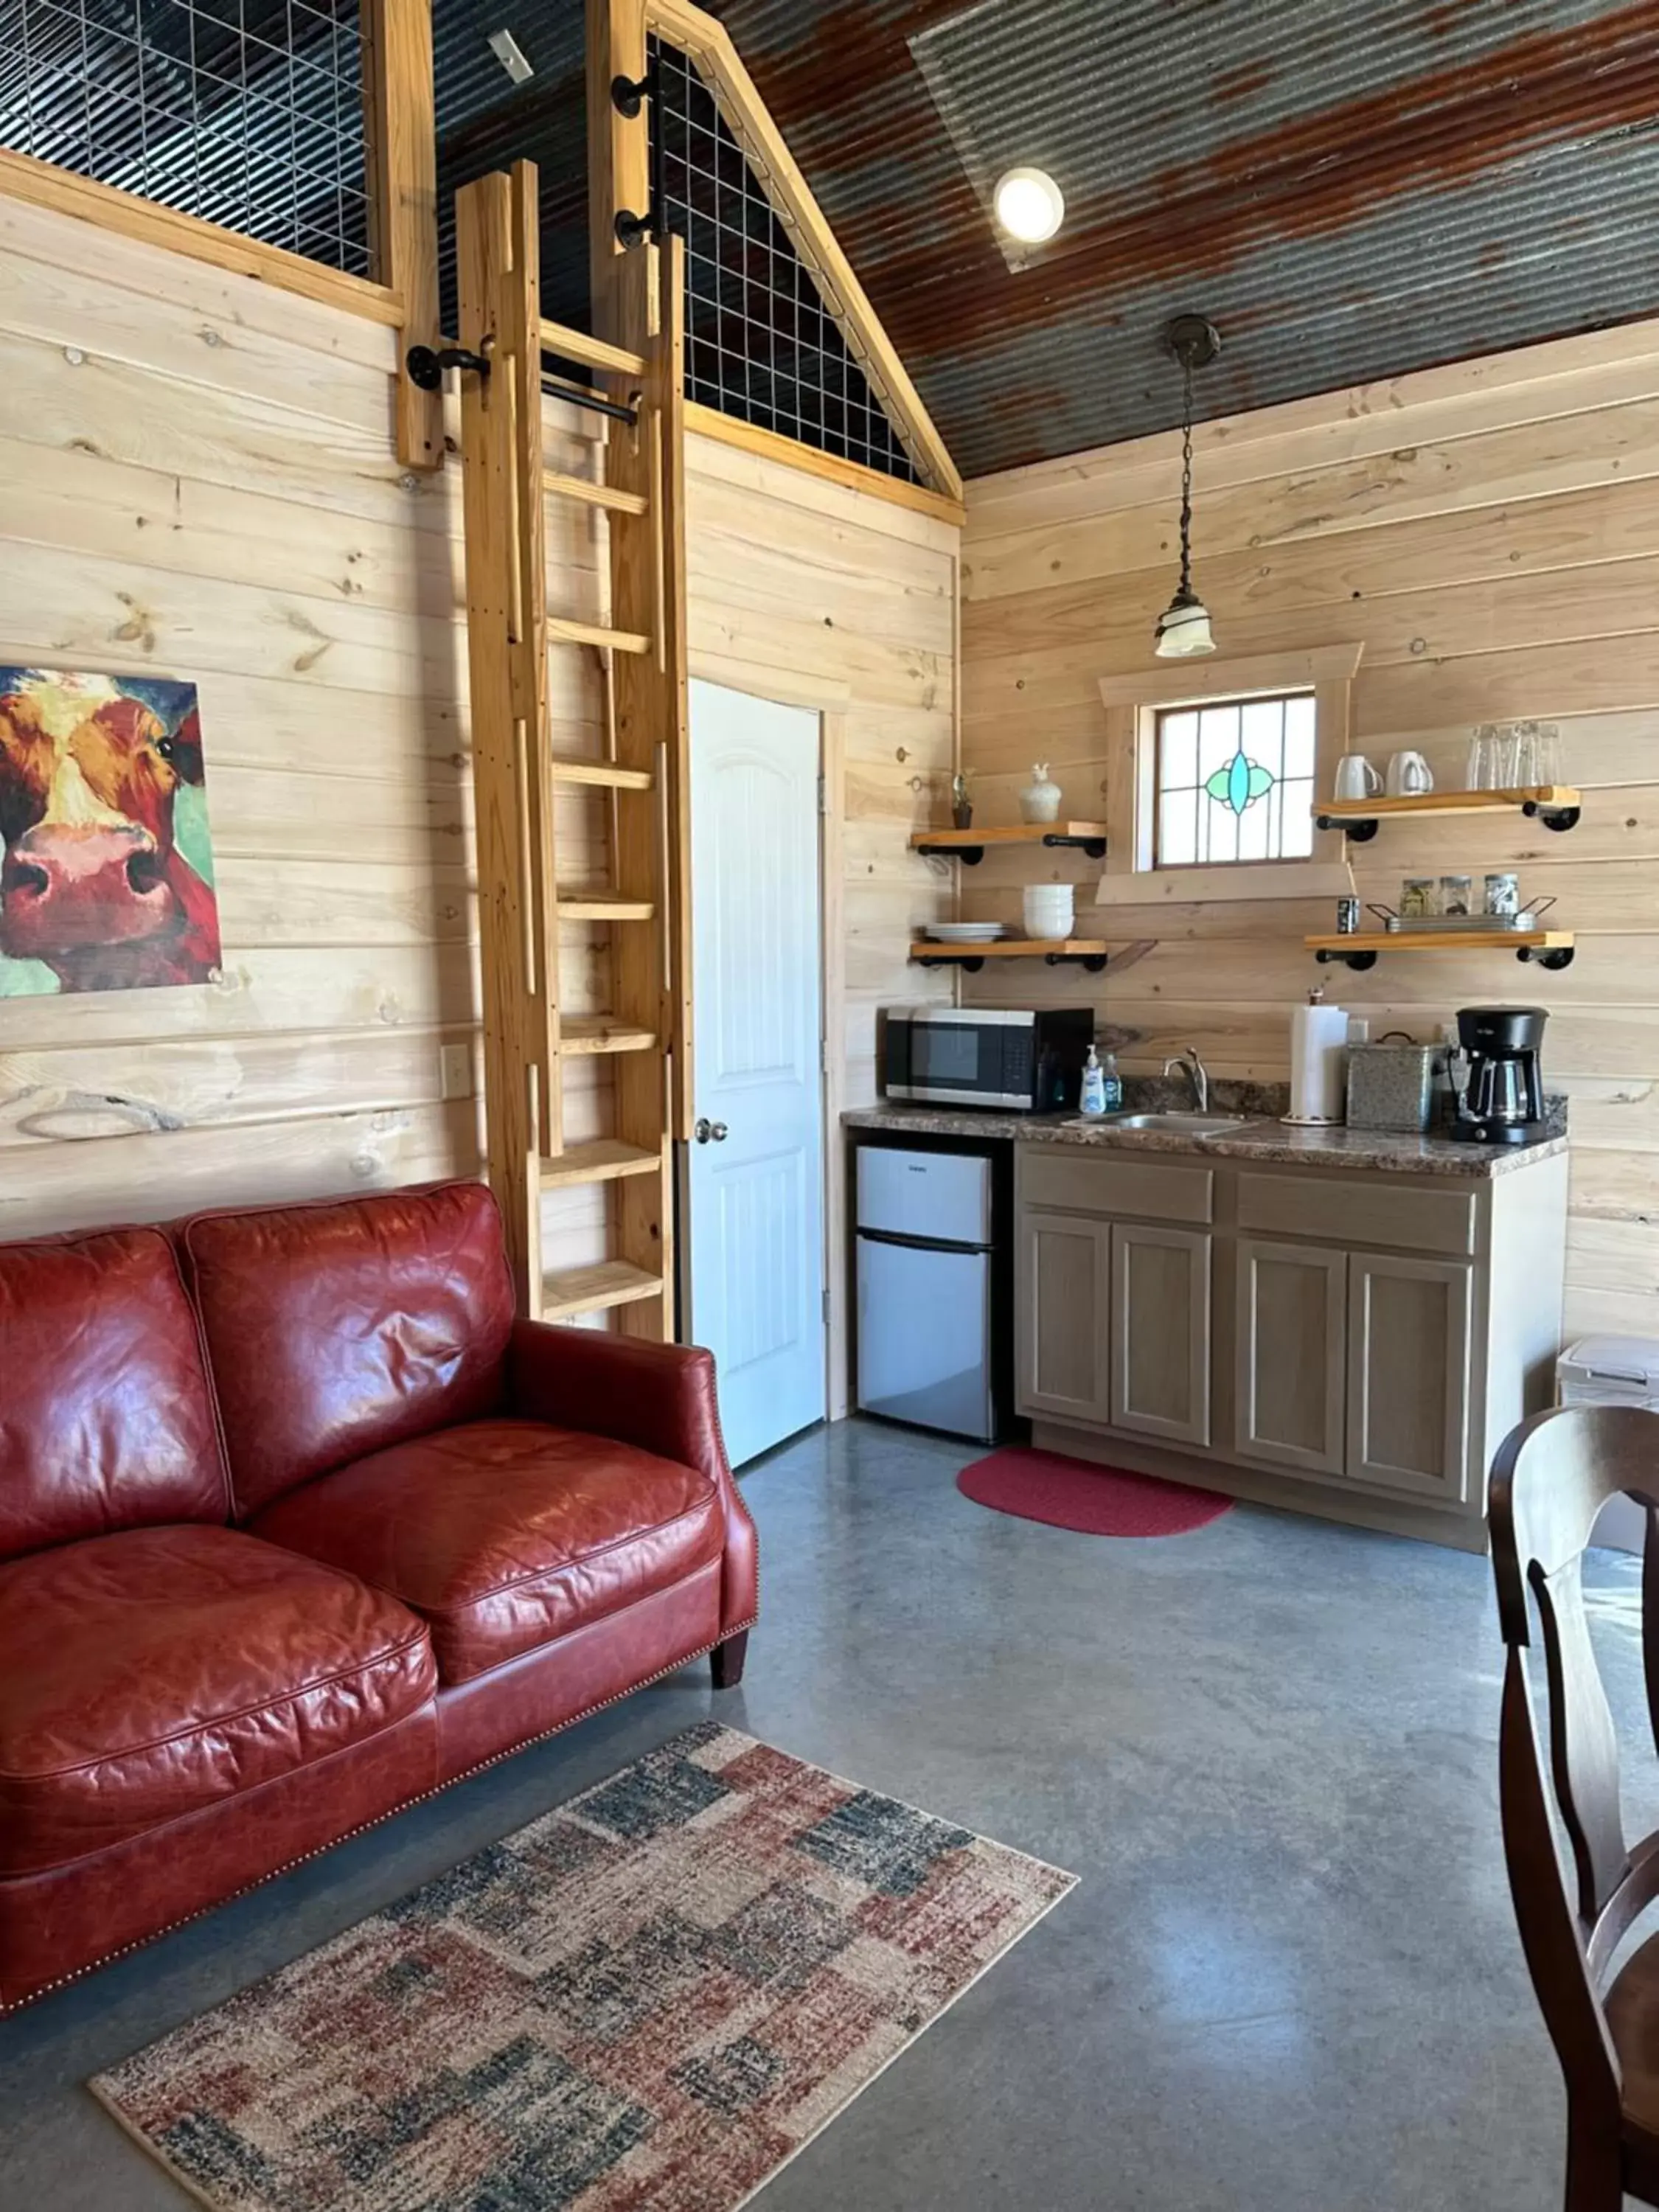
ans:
(403, 201)
(773, 445)
(42, 183)
(708, 44)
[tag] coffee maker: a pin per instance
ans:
(1503, 1102)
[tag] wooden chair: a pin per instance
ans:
(1551, 1479)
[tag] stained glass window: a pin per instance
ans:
(1235, 781)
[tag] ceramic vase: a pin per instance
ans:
(1039, 800)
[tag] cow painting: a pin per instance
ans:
(106, 867)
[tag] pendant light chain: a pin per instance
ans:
(1187, 477)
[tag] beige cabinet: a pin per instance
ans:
(1064, 1304)
(1160, 1312)
(1408, 1373)
(1290, 1356)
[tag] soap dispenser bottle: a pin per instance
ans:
(1094, 1084)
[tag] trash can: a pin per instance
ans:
(1612, 1371)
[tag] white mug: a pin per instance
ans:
(1409, 776)
(1356, 778)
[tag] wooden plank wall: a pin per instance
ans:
(201, 483)
(1491, 532)
(807, 592)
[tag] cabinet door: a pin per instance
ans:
(1064, 1296)
(1408, 1374)
(1161, 1332)
(1292, 1354)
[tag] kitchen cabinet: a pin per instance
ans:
(1408, 1373)
(1063, 1304)
(1160, 1317)
(1353, 1342)
(1292, 1373)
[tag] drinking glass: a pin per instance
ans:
(1482, 770)
(1524, 760)
(1547, 753)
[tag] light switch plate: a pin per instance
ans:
(455, 1070)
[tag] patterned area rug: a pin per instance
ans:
(651, 1997)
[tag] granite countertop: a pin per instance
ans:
(1259, 1138)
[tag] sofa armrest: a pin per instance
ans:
(660, 1398)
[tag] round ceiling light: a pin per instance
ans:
(1029, 205)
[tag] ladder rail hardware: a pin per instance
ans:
(532, 1048)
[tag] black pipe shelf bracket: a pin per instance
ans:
(1553, 955)
(1364, 959)
(1562, 818)
(970, 855)
(1091, 963)
(426, 364)
(1358, 832)
(1094, 847)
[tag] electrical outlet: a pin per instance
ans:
(455, 1070)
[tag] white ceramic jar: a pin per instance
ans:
(1039, 800)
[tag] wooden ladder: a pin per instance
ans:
(527, 1040)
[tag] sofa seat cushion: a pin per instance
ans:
(504, 1535)
(147, 1674)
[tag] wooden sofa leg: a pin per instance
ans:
(725, 1661)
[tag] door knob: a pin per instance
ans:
(706, 1132)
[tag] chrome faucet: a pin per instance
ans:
(1197, 1074)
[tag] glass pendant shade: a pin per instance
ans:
(1183, 628)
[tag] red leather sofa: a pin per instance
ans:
(297, 1524)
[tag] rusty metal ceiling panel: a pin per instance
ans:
(1351, 194)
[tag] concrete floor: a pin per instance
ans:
(1288, 1978)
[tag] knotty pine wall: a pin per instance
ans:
(1491, 532)
(805, 592)
(200, 482)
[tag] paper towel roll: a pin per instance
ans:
(1318, 1056)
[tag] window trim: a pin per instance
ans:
(1132, 704)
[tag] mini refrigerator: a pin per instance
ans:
(928, 1290)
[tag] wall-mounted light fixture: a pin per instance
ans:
(1184, 627)
(1029, 205)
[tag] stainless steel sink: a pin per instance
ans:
(1171, 1125)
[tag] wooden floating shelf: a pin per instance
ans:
(605, 1159)
(594, 495)
(970, 846)
(1557, 805)
(562, 631)
(605, 773)
(585, 1033)
(1550, 948)
(1088, 952)
(589, 1290)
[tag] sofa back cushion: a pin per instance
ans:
(338, 1328)
(106, 1418)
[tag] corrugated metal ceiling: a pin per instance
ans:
(1348, 194)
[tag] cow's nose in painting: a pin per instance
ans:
(61, 888)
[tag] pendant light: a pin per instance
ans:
(1184, 627)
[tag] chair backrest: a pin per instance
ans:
(338, 1328)
(1549, 1482)
(106, 1418)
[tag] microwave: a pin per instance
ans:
(1030, 1061)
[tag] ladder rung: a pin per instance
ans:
(602, 772)
(586, 1289)
(594, 495)
(583, 1033)
(603, 1160)
(603, 906)
(593, 353)
(560, 628)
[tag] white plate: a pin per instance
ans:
(964, 932)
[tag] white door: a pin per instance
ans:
(755, 1174)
